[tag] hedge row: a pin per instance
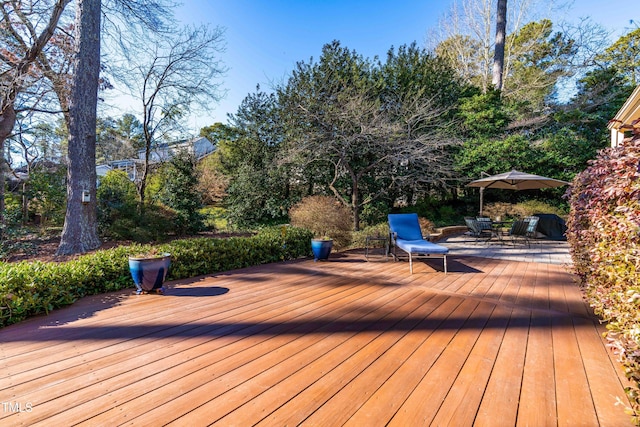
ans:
(604, 234)
(31, 288)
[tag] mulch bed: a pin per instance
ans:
(44, 249)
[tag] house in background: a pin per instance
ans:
(626, 123)
(130, 166)
(200, 147)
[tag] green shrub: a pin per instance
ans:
(47, 192)
(156, 224)
(30, 288)
(174, 208)
(214, 218)
(116, 198)
(438, 211)
(374, 213)
(179, 192)
(446, 215)
(12, 211)
(325, 216)
(483, 114)
(604, 236)
(359, 238)
(118, 212)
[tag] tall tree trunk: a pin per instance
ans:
(80, 232)
(148, 141)
(7, 121)
(355, 201)
(142, 185)
(25, 203)
(498, 58)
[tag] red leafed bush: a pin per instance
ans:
(604, 235)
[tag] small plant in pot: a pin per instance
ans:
(328, 219)
(149, 270)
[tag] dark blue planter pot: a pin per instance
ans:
(149, 273)
(321, 248)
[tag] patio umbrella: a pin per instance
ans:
(515, 180)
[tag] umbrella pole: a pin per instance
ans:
(481, 199)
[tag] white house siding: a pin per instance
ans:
(200, 147)
(626, 120)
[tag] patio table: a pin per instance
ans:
(500, 227)
(383, 244)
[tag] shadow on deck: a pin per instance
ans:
(344, 342)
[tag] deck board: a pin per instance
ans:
(365, 349)
(502, 392)
(538, 393)
(438, 381)
(197, 360)
(572, 387)
(259, 360)
(344, 342)
(460, 405)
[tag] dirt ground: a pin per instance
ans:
(44, 249)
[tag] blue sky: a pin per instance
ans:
(265, 38)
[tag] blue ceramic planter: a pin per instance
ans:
(149, 273)
(321, 248)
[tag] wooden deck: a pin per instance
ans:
(344, 342)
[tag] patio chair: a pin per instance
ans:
(484, 221)
(487, 227)
(532, 226)
(405, 233)
(478, 230)
(524, 229)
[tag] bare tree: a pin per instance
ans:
(16, 62)
(465, 36)
(212, 184)
(169, 76)
(407, 146)
(80, 232)
(35, 145)
(501, 34)
(357, 139)
(363, 140)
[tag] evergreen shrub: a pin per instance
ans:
(440, 212)
(359, 238)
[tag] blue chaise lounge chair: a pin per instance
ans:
(405, 234)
